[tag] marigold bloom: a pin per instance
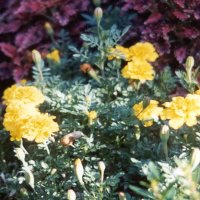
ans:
(16, 116)
(143, 51)
(25, 94)
(39, 128)
(182, 111)
(119, 52)
(54, 56)
(148, 114)
(138, 70)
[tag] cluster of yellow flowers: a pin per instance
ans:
(180, 111)
(139, 57)
(23, 119)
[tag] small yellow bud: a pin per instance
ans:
(102, 168)
(195, 161)
(189, 62)
(71, 195)
(54, 56)
(92, 115)
(98, 13)
(48, 28)
(36, 57)
(164, 133)
(122, 196)
(79, 171)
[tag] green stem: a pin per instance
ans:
(165, 150)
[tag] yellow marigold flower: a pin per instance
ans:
(39, 128)
(138, 70)
(182, 111)
(25, 94)
(16, 116)
(119, 52)
(148, 114)
(54, 56)
(143, 51)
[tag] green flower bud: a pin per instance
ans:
(164, 133)
(36, 57)
(122, 196)
(48, 28)
(71, 195)
(79, 171)
(97, 2)
(102, 168)
(98, 13)
(189, 62)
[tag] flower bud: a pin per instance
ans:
(19, 153)
(189, 62)
(97, 2)
(122, 196)
(102, 167)
(36, 57)
(71, 195)
(98, 13)
(85, 68)
(79, 171)
(48, 28)
(195, 160)
(53, 171)
(29, 177)
(164, 133)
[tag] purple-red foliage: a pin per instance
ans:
(173, 26)
(22, 29)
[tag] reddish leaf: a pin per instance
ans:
(180, 54)
(180, 15)
(153, 18)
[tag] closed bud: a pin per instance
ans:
(36, 57)
(97, 2)
(71, 195)
(79, 171)
(98, 13)
(48, 28)
(102, 168)
(53, 171)
(189, 62)
(195, 161)
(122, 196)
(164, 133)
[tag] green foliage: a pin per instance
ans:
(135, 159)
